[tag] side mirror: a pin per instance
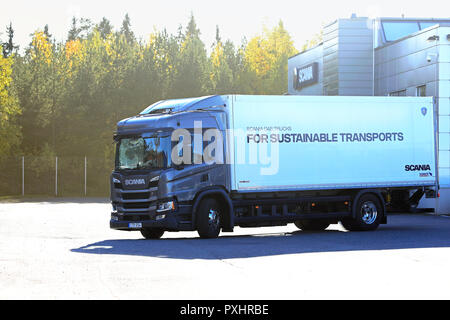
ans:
(178, 167)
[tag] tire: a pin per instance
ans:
(368, 214)
(312, 225)
(209, 217)
(152, 234)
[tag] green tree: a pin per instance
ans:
(47, 33)
(126, 29)
(34, 79)
(8, 46)
(191, 71)
(221, 75)
(105, 28)
(79, 29)
(9, 109)
(160, 58)
(74, 31)
(233, 60)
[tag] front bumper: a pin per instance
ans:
(178, 220)
(169, 223)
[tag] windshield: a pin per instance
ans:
(143, 153)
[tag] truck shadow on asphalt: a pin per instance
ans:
(433, 232)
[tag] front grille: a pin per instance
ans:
(136, 196)
(136, 200)
(136, 218)
(136, 205)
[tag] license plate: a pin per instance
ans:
(135, 225)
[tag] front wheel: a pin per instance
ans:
(367, 216)
(209, 219)
(152, 234)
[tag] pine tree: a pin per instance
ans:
(191, 30)
(221, 75)
(74, 31)
(47, 33)
(105, 28)
(126, 29)
(79, 32)
(85, 28)
(9, 47)
(218, 39)
(191, 78)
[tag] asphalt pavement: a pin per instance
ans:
(65, 250)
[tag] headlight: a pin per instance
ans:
(166, 206)
(155, 179)
(116, 180)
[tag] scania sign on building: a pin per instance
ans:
(306, 76)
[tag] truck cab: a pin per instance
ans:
(151, 191)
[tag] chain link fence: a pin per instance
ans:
(55, 176)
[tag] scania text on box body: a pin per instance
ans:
(213, 163)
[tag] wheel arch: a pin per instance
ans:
(222, 196)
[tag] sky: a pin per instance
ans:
(235, 18)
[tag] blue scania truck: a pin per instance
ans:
(214, 163)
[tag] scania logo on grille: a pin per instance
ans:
(134, 182)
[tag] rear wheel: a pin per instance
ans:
(152, 234)
(312, 225)
(209, 216)
(367, 216)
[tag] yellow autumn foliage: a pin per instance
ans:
(257, 56)
(217, 55)
(263, 51)
(73, 49)
(9, 107)
(42, 48)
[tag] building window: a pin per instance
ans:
(424, 25)
(421, 91)
(401, 93)
(395, 30)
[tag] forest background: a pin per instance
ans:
(63, 99)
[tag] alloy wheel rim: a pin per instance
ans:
(213, 218)
(369, 212)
